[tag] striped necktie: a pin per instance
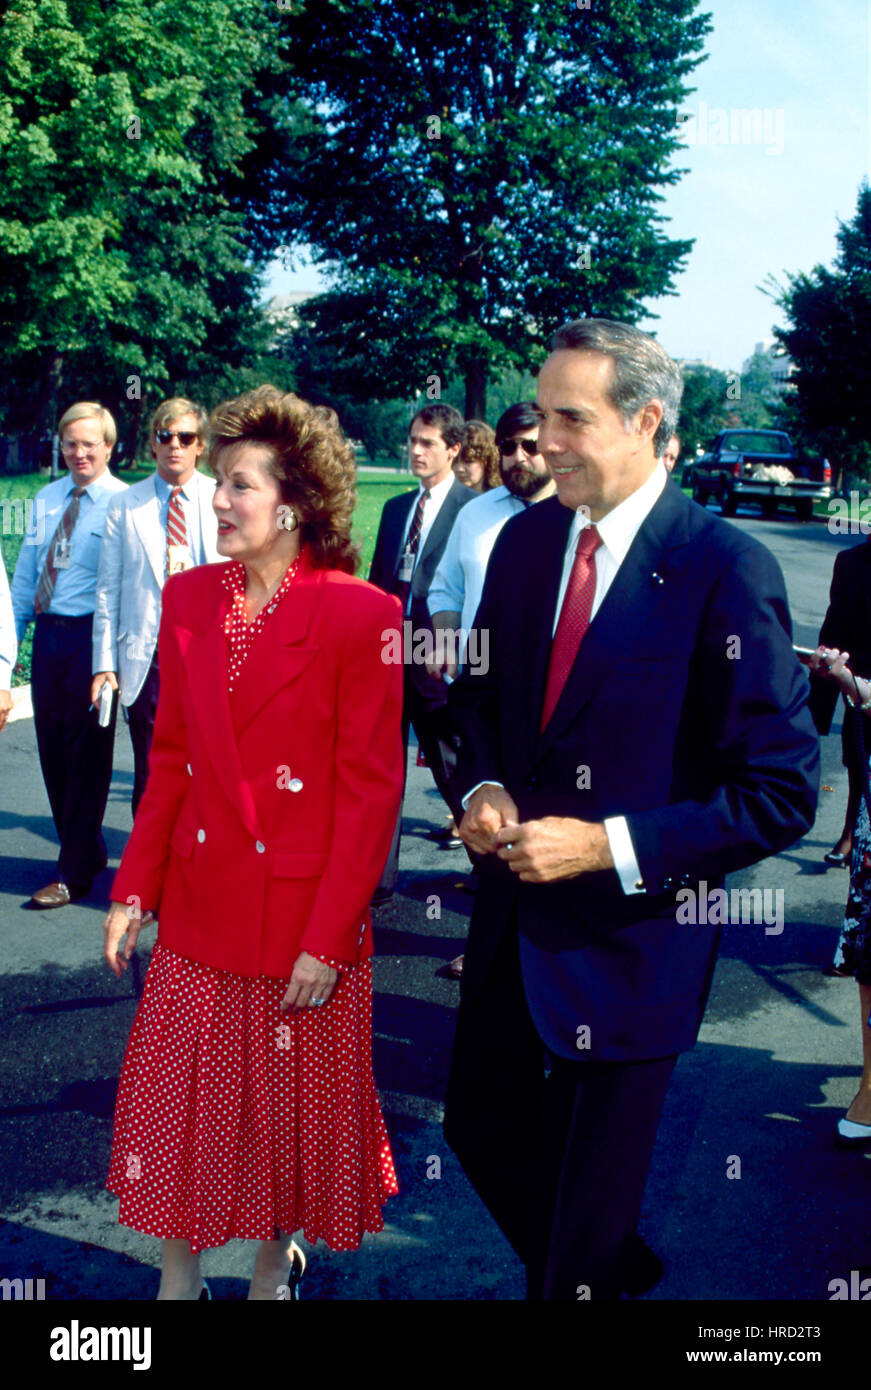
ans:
(402, 587)
(176, 532)
(574, 619)
(61, 538)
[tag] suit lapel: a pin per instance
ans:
(402, 515)
(282, 651)
(146, 524)
(206, 673)
(629, 609)
(441, 526)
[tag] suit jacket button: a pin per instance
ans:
(639, 884)
(201, 836)
(295, 784)
(260, 847)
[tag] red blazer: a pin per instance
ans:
(255, 847)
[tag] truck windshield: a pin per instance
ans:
(748, 442)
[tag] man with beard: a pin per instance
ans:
(455, 591)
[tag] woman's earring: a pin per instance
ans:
(287, 518)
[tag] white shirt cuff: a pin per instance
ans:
(623, 854)
(468, 797)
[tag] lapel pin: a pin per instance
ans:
(656, 579)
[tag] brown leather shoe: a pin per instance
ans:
(54, 895)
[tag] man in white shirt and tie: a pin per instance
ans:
(412, 534)
(54, 582)
(161, 526)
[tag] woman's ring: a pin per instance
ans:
(317, 1001)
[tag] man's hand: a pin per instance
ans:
(5, 707)
(445, 627)
(555, 848)
(98, 682)
(490, 808)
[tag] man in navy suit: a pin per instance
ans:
(412, 535)
(642, 729)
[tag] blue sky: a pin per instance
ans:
(756, 204)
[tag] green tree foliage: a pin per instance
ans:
(829, 313)
(135, 143)
(474, 175)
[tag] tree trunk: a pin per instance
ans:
(47, 404)
(476, 390)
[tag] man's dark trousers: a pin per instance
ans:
(543, 1140)
(140, 718)
(75, 754)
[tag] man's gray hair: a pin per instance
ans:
(643, 371)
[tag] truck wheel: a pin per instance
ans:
(769, 506)
(728, 504)
(700, 494)
(804, 509)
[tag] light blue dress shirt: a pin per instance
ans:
(75, 588)
(191, 511)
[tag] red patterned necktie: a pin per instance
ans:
(574, 619)
(176, 528)
(65, 528)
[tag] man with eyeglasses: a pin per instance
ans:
(54, 583)
(161, 526)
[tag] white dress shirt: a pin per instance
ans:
(431, 509)
(459, 579)
(617, 530)
(8, 641)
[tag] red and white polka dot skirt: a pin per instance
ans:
(234, 1121)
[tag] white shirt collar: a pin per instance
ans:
(619, 527)
(439, 492)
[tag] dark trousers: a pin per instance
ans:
(140, 720)
(557, 1149)
(434, 729)
(75, 754)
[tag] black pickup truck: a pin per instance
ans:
(746, 465)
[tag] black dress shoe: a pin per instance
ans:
(640, 1269)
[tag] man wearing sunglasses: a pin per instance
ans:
(159, 527)
(455, 591)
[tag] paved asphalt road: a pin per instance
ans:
(775, 1067)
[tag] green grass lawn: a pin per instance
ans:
(373, 488)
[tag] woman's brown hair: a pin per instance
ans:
(312, 462)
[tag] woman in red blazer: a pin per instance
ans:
(246, 1106)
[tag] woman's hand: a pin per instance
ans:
(120, 919)
(831, 664)
(311, 980)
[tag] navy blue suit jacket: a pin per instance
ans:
(385, 562)
(704, 745)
